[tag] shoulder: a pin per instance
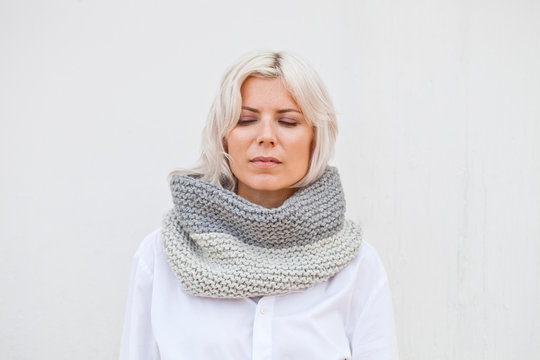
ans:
(368, 261)
(367, 274)
(148, 249)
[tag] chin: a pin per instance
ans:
(267, 183)
(267, 187)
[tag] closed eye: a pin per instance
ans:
(245, 121)
(288, 122)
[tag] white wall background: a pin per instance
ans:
(438, 150)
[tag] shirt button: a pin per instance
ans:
(263, 310)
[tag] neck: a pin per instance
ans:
(268, 199)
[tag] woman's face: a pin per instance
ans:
(270, 145)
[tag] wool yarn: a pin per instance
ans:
(220, 245)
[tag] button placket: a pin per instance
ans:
(262, 329)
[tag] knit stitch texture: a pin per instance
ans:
(220, 245)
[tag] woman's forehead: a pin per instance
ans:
(266, 93)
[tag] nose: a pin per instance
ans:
(267, 133)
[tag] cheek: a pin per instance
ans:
(300, 147)
(234, 143)
(304, 143)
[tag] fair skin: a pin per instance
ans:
(270, 145)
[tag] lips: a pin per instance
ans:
(265, 161)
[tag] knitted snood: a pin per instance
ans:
(220, 245)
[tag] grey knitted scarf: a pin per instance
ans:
(220, 245)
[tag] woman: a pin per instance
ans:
(256, 259)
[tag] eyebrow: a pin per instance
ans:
(279, 111)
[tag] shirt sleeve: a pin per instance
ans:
(374, 335)
(137, 338)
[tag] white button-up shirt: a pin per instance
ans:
(348, 316)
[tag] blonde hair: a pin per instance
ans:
(306, 88)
